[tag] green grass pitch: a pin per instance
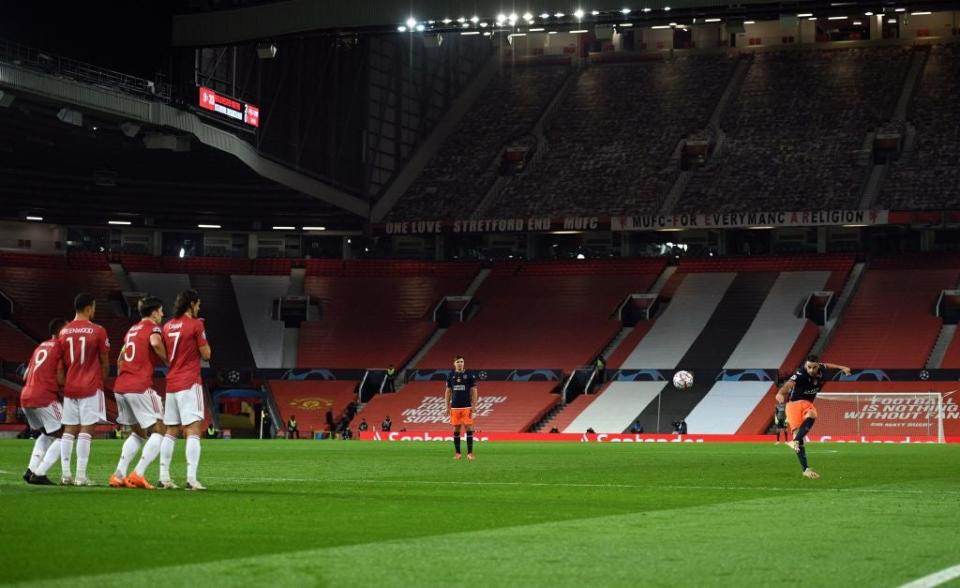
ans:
(333, 513)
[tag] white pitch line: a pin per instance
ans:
(585, 485)
(935, 579)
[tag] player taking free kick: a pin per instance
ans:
(802, 389)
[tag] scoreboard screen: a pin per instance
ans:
(248, 114)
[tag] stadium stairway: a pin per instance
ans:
(225, 330)
(570, 411)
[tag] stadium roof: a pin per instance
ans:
(276, 19)
(101, 173)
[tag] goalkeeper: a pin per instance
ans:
(802, 389)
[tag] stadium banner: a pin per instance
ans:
(750, 218)
(518, 375)
(480, 436)
(659, 222)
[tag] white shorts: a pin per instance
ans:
(46, 418)
(143, 409)
(184, 407)
(87, 411)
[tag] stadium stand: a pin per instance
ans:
(505, 407)
(14, 344)
(255, 296)
(951, 359)
(713, 344)
(544, 314)
(42, 293)
(929, 178)
(310, 400)
(466, 167)
(776, 327)
(10, 398)
(675, 331)
(86, 260)
(224, 327)
(374, 313)
(273, 266)
(611, 139)
(207, 265)
(628, 344)
(618, 406)
(890, 321)
(728, 404)
(166, 287)
(141, 263)
(793, 133)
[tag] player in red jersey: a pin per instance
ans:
(186, 342)
(139, 404)
(40, 399)
(84, 346)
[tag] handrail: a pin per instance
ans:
(23, 55)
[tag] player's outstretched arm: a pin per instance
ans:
(784, 392)
(836, 366)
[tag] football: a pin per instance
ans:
(682, 380)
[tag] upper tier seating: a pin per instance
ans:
(794, 131)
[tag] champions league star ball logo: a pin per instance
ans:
(924, 375)
(482, 375)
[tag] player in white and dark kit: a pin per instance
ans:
(84, 346)
(40, 399)
(139, 404)
(185, 338)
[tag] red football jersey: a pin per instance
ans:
(183, 337)
(81, 343)
(41, 388)
(139, 359)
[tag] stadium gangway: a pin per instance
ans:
(371, 384)
(578, 383)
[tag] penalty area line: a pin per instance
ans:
(935, 579)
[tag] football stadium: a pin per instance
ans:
(498, 292)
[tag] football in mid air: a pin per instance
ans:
(682, 380)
